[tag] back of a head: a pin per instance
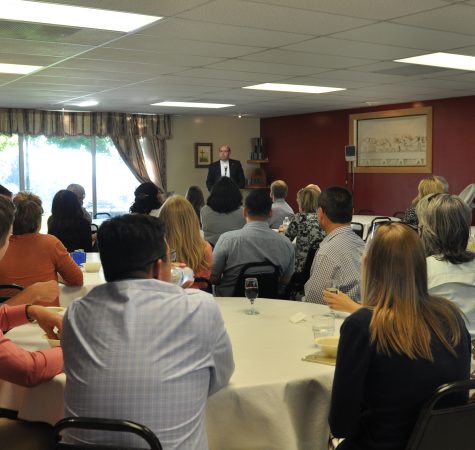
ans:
(279, 189)
(444, 183)
(78, 190)
(445, 227)
(194, 195)
(337, 203)
(65, 206)
(307, 199)
(147, 198)
(429, 185)
(225, 196)
(6, 218)
(6, 192)
(130, 244)
(258, 203)
(28, 213)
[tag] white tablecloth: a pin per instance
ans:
(274, 400)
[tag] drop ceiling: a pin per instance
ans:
(207, 50)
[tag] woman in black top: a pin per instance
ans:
(397, 349)
(67, 222)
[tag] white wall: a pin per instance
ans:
(188, 130)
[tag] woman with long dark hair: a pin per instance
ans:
(395, 350)
(67, 222)
(148, 199)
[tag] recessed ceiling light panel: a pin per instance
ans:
(73, 16)
(447, 60)
(86, 103)
(293, 88)
(192, 105)
(18, 68)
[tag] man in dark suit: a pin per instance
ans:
(225, 167)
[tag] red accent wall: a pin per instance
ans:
(309, 148)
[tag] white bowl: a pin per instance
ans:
(52, 342)
(92, 266)
(328, 345)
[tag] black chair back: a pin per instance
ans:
(375, 223)
(446, 427)
(358, 228)
(399, 214)
(92, 423)
(4, 298)
(267, 275)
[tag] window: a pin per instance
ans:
(44, 165)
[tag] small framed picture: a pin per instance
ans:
(203, 155)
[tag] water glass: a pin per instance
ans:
(323, 325)
(251, 290)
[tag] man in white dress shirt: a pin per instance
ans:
(141, 348)
(225, 167)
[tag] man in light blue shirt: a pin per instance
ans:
(280, 208)
(141, 348)
(255, 242)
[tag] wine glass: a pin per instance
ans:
(251, 289)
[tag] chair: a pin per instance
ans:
(399, 214)
(92, 423)
(102, 214)
(4, 298)
(268, 279)
(451, 426)
(358, 228)
(468, 195)
(375, 223)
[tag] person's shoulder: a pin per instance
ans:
(359, 319)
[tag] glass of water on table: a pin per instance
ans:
(251, 290)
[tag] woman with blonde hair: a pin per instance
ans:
(395, 350)
(183, 235)
(429, 185)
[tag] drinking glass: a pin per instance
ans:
(323, 325)
(251, 289)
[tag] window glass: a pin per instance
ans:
(9, 168)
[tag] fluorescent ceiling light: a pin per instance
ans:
(73, 16)
(86, 103)
(448, 60)
(293, 88)
(192, 105)
(18, 68)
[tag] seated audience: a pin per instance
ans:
(223, 211)
(18, 365)
(430, 185)
(396, 350)
(31, 256)
(194, 195)
(183, 235)
(67, 222)
(160, 352)
(255, 242)
(80, 193)
(304, 227)
(445, 228)
(280, 208)
(148, 199)
(339, 256)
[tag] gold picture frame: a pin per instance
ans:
(203, 155)
(396, 141)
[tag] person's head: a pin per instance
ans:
(28, 211)
(314, 186)
(278, 189)
(429, 185)
(444, 182)
(147, 198)
(79, 191)
(444, 224)
(194, 195)
(7, 214)
(307, 199)
(6, 192)
(133, 246)
(394, 286)
(225, 196)
(335, 207)
(65, 206)
(258, 205)
(183, 232)
(224, 152)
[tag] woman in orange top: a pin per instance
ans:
(183, 235)
(32, 256)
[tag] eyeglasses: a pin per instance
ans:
(172, 255)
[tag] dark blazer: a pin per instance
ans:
(235, 172)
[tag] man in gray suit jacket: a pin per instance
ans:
(225, 167)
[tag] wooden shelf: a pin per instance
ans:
(258, 161)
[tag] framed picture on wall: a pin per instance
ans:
(394, 141)
(203, 155)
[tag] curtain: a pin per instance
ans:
(125, 130)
